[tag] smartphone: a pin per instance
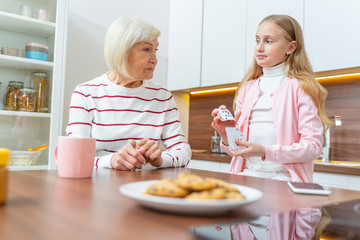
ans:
(309, 188)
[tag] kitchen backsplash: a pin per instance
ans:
(343, 100)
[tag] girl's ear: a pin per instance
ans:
(292, 47)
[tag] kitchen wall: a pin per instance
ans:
(87, 24)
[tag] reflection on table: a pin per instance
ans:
(334, 221)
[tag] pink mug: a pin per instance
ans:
(75, 157)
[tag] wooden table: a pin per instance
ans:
(43, 206)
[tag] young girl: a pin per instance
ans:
(279, 106)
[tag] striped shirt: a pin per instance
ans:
(113, 114)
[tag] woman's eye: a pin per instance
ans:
(146, 49)
(156, 50)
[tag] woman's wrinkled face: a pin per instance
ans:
(271, 46)
(142, 60)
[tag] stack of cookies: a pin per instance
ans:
(191, 186)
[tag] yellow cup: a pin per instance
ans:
(4, 174)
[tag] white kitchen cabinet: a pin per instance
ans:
(223, 44)
(209, 165)
(23, 130)
(338, 180)
(327, 179)
(185, 35)
(257, 10)
(331, 34)
(204, 165)
(211, 42)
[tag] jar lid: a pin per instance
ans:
(4, 156)
(27, 90)
(39, 74)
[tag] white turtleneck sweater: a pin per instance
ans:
(261, 128)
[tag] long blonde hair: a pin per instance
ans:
(297, 65)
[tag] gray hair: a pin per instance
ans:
(121, 36)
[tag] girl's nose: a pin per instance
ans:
(260, 47)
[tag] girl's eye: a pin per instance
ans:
(269, 41)
(257, 41)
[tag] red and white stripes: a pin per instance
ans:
(113, 114)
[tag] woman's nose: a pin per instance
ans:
(153, 58)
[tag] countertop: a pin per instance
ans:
(43, 206)
(223, 157)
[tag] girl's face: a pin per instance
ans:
(271, 46)
(142, 60)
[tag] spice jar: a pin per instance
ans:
(39, 79)
(215, 143)
(4, 174)
(26, 100)
(12, 95)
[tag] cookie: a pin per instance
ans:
(193, 182)
(188, 175)
(166, 188)
(216, 193)
(222, 184)
(234, 195)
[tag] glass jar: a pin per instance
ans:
(39, 79)
(215, 144)
(26, 100)
(12, 95)
(4, 174)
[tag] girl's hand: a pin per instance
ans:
(251, 150)
(220, 126)
(128, 158)
(150, 150)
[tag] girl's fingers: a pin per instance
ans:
(214, 113)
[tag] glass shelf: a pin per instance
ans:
(24, 63)
(17, 23)
(33, 167)
(24, 114)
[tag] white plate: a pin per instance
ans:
(136, 191)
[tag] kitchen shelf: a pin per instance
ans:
(17, 128)
(33, 167)
(26, 25)
(24, 114)
(24, 63)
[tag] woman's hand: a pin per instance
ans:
(220, 126)
(251, 150)
(128, 158)
(150, 150)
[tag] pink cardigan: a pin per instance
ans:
(297, 125)
(298, 224)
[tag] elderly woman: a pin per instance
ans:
(128, 114)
